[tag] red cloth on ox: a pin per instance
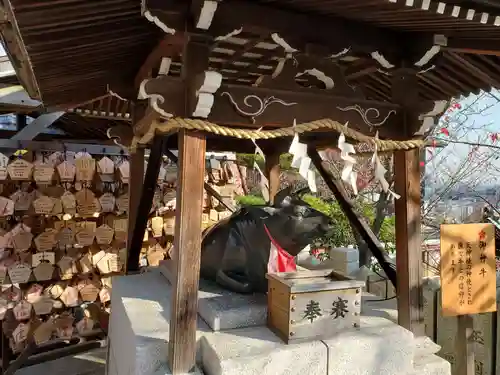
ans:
(279, 259)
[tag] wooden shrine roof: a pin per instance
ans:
(68, 52)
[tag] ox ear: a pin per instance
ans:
(282, 196)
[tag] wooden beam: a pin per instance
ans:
(361, 226)
(300, 104)
(296, 28)
(141, 217)
(187, 253)
(37, 126)
(408, 241)
(136, 180)
(169, 46)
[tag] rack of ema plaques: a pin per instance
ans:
(63, 227)
(308, 323)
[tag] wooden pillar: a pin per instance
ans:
(187, 251)
(136, 180)
(189, 209)
(272, 172)
(408, 241)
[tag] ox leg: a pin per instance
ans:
(362, 227)
(231, 282)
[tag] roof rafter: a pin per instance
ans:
(298, 29)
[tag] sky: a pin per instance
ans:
(475, 121)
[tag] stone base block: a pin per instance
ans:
(258, 351)
(164, 370)
(378, 347)
(431, 365)
(139, 324)
(222, 309)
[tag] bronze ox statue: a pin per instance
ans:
(235, 252)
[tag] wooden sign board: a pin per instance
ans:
(468, 269)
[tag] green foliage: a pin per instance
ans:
(250, 200)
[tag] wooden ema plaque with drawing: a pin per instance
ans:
(468, 269)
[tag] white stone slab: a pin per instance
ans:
(222, 309)
(257, 351)
(378, 347)
(139, 323)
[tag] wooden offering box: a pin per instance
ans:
(312, 305)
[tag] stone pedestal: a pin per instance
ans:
(139, 333)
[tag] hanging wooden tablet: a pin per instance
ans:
(157, 200)
(4, 162)
(169, 224)
(67, 268)
(124, 171)
(43, 257)
(22, 241)
(33, 292)
(85, 169)
(100, 261)
(104, 235)
(4, 307)
(87, 204)
(55, 290)
(122, 203)
(85, 263)
(21, 332)
(43, 305)
(19, 273)
(43, 173)
(85, 237)
(43, 271)
(22, 200)
(20, 170)
(68, 201)
(120, 227)
(155, 255)
(106, 169)
(157, 226)
(66, 171)
(70, 296)
(105, 294)
(46, 240)
(43, 332)
(22, 311)
(57, 209)
(12, 293)
(89, 290)
(107, 202)
(3, 272)
(65, 238)
(114, 262)
(43, 205)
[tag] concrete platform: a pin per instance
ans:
(139, 332)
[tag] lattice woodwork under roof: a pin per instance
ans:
(78, 48)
